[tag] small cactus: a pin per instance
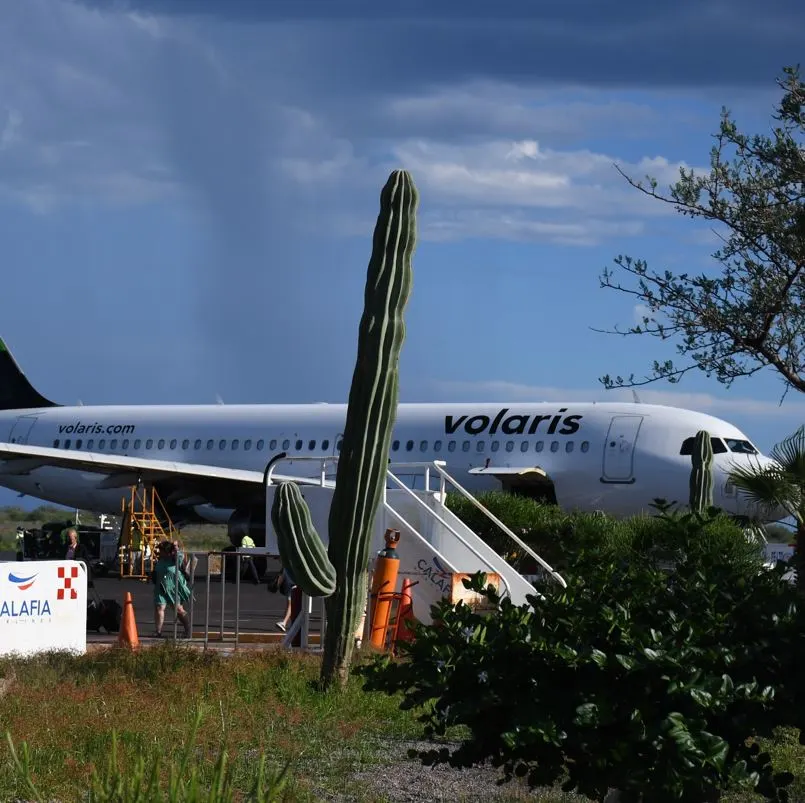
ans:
(301, 549)
(701, 475)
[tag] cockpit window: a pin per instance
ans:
(716, 443)
(740, 447)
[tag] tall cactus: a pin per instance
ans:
(701, 475)
(371, 412)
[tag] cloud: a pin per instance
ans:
(262, 131)
(505, 189)
(641, 311)
(387, 46)
(77, 125)
(703, 402)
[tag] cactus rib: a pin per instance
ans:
(301, 549)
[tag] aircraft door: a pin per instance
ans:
(619, 448)
(336, 443)
(22, 428)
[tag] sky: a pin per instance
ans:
(188, 190)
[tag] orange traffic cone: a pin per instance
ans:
(128, 627)
(405, 613)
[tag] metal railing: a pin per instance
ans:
(223, 555)
(444, 476)
(323, 482)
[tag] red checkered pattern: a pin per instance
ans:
(68, 582)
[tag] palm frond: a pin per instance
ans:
(768, 487)
(790, 454)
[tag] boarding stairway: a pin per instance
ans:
(144, 523)
(436, 550)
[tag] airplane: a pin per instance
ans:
(207, 462)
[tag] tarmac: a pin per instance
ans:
(259, 611)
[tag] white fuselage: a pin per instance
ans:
(615, 457)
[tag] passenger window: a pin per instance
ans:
(423, 446)
(465, 446)
(272, 444)
(125, 443)
(113, 444)
(210, 443)
(67, 444)
(247, 444)
(451, 446)
(495, 445)
(437, 446)
(539, 445)
(173, 443)
(235, 444)
(479, 446)
(260, 445)
(78, 443)
(286, 444)
(311, 445)
(161, 444)
(185, 444)
(101, 444)
(409, 446)
(395, 445)
(197, 443)
(524, 446)
(56, 444)
(585, 445)
(90, 443)
(299, 445)
(509, 446)
(569, 446)
(325, 445)
(338, 445)
(137, 443)
(554, 446)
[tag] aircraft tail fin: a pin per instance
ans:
(16, 392)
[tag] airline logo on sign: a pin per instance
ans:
(43, 607)
(28, 603)
(67, 577)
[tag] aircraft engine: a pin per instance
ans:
(248, 521)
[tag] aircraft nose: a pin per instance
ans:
(748, 507)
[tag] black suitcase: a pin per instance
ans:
(103, 613)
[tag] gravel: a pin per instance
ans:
(407, 780)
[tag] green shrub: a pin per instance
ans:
(648, 676)
(558, 536)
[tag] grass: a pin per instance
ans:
(108, 721)
(198, 537)
(62, 712)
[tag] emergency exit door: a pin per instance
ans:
(22, 428)
(619, 448)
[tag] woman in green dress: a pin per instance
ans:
(167, 580)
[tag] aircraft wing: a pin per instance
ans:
(193, 483)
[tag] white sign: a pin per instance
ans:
(43, 607)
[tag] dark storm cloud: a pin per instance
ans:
(384, 46)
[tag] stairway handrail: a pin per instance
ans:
(450, 527)
(321, 480)
(427, 465)
(438, 464)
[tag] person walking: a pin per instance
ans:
(167, 581)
